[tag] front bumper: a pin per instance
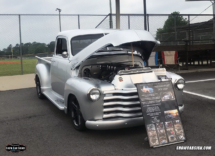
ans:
(117, 124)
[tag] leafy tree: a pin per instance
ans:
(16, 50)
(8, 50)
(51, 46)
(25, 48)
(40, 48)
(169, 25)
(29, 48)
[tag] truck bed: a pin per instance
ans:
(44, 59)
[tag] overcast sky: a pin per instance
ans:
(45, 28)
(100, 6)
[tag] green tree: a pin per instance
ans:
(25, 48)
(29, 48)
(16, 50)
(51, 46)
(175, 19)
(40, 48)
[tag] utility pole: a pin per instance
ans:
(20, 41)
(59, 17)
(145, 14)
(213, 19)
(145, 24)
(117, 14)
(111, 19)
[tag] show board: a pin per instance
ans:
(161, 114)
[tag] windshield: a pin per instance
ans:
(121, 49)
(80, 42)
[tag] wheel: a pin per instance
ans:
(38, 88)
(78, 121)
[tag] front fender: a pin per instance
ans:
(173, 76)
(178, 93)
(80, 87)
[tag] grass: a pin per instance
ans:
(15, 69)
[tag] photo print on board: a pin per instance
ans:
(166, 96)
(171, 114)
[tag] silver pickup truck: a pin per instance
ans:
(92, 77)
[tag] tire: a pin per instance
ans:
(77, 119)
(38, 89)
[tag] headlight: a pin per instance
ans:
(180, 84)
(94, 94)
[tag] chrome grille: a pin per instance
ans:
(121, 104)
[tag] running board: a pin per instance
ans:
(55, 98)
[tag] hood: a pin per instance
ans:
(143, 39)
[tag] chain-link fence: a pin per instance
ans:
(27, 35)
(170, 29)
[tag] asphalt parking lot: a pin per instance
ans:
(45, 130)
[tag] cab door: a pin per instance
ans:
(60, 68)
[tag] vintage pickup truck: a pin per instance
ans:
(92, 77)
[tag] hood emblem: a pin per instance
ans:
(120, 79)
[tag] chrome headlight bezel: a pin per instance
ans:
(94, 94)
(180, 84)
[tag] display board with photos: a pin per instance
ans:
(161, 114)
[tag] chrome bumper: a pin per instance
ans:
(181, 108)
(117, 124)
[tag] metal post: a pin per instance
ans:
(79, 27)
(20, 47)
(59, 18)
(192, 37)
(189, 29)
(175, 27)
(213, 19)
(129, 26)
(59, 21)
(111, 19)
(117, 14)
(188, 44)
(148, 21)
(145, 24)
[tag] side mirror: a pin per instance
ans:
(64, 54)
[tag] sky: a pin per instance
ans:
(45, 28)
(101, 6)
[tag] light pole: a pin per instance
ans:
(213, 2)
(145, 24)
(144, 6)
(117, 14)
(59, 17)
